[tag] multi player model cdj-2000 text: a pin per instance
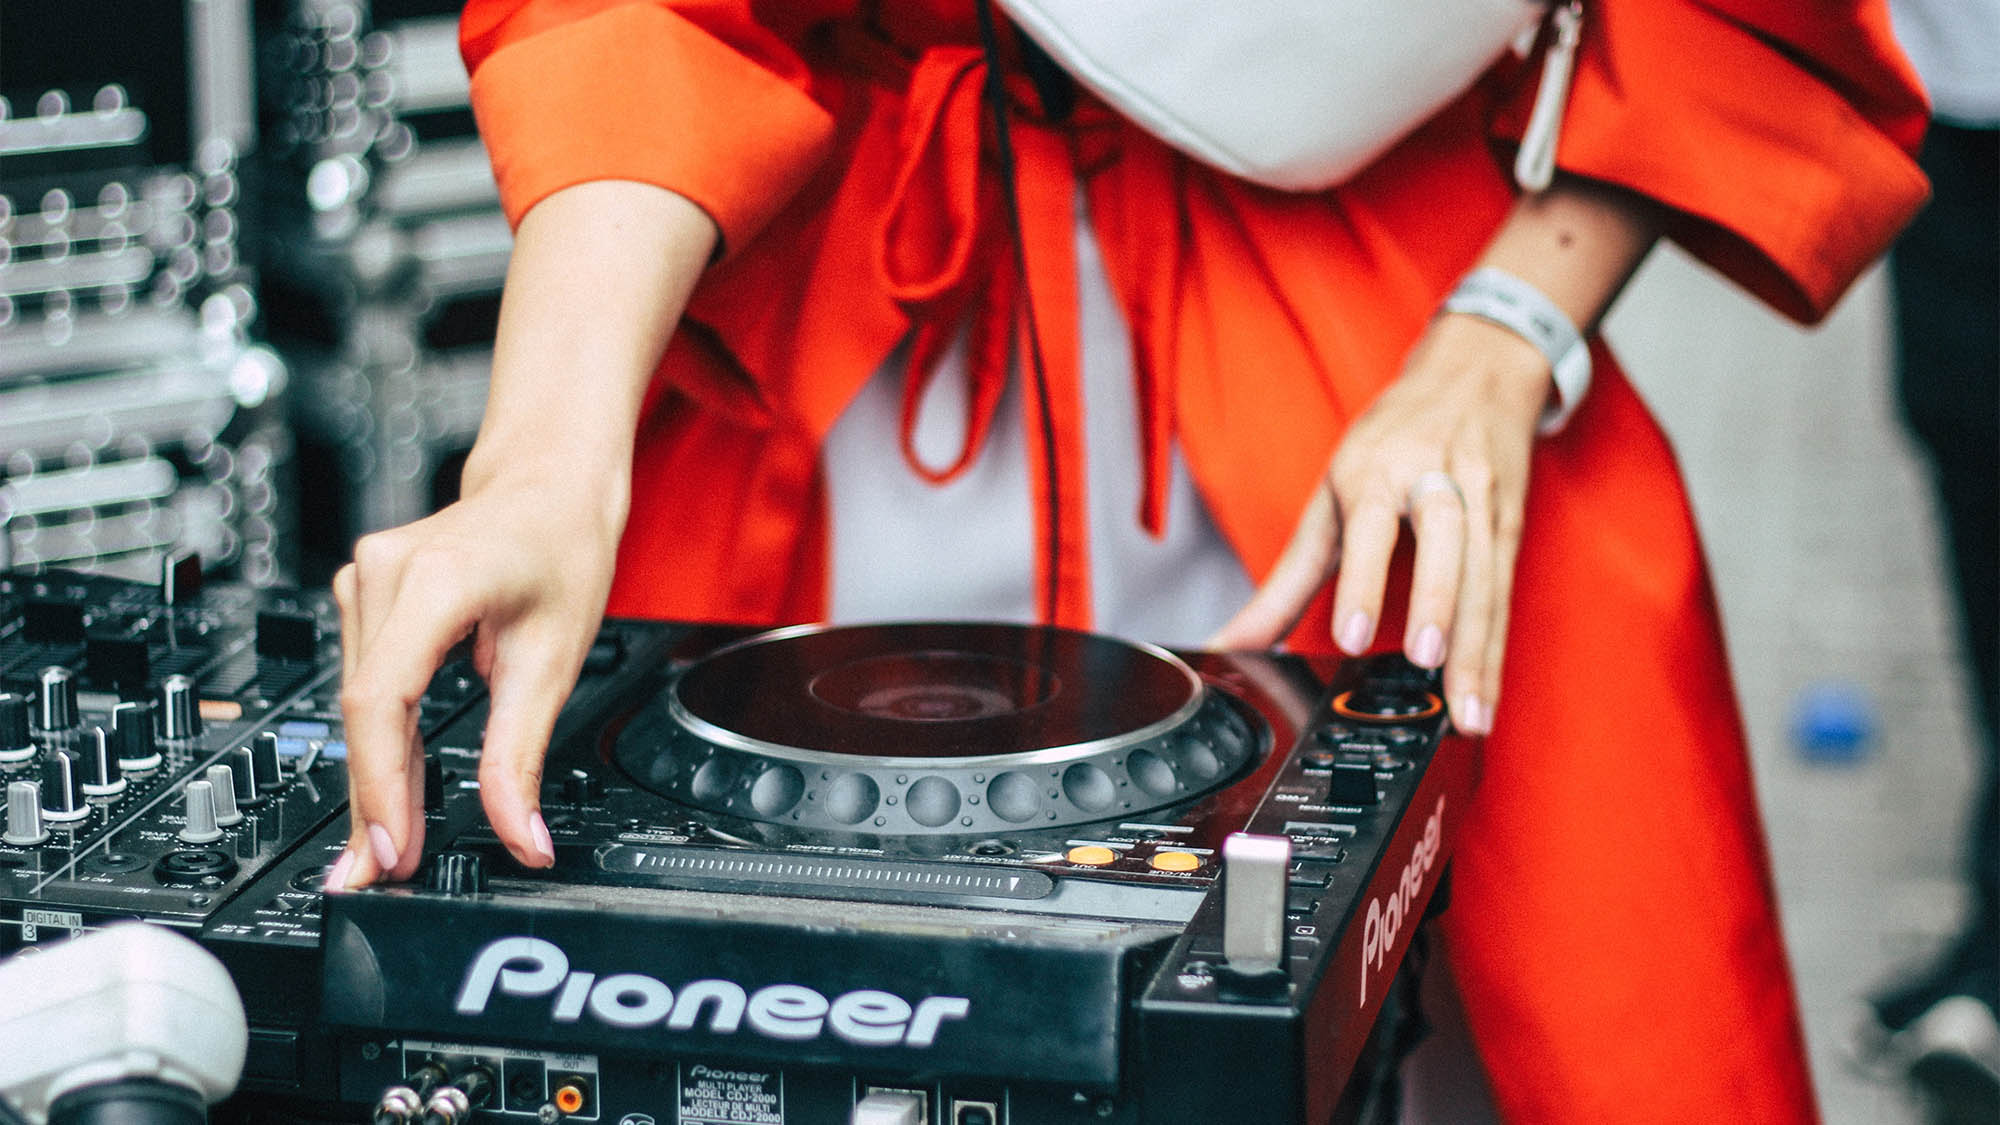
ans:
(949, 874)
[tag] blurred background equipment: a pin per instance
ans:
(138, 414)
(383, 259)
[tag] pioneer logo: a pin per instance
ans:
(1386, 919)
(524, 966)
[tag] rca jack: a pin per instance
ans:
(570, 1096)
(401, 1105)
(455, 1102)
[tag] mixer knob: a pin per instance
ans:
(581, 787)
(102, 775)
(222, 784)
(17, 743)
(201, 827)
(243, 778)
(62, 787)
(180, 714)
(266, 768)
(24, 815)
(57, 710)
(132, 737)
(457, 873)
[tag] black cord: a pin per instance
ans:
(996, 100)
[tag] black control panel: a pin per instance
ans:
(716, 946)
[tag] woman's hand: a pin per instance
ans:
(523, 566)
(523, 562)
(1445, 448)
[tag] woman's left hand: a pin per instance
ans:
(1446, 449)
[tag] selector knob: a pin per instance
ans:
(582, 787)
(201, 827)
(102, 775)
(132, 737)
(24, 815)
(62, 787)
(17, 742)
(266, 767)
(243, 778)
(180, 713)
(457, 873)
(56, 711)
(222, 785)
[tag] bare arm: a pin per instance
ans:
(598, 279)
(1465, 404)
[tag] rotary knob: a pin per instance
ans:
(457, 873)
(62, 787)
(243, 778)
(24, 815)
(222, 785)
(581, 787)
(56, 700)
(201, 827)
(266, 767)
(132, 737)
(17, 742)
(180, 713)
(102, 775)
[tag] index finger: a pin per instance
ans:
(380, 707)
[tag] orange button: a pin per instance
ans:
(1091, 855)
(1175, 861)
(220, 710)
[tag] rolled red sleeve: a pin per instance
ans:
(1782, 142)
(701, 101)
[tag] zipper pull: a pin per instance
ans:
(1535, 163)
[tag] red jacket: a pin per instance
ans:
(1612, 928)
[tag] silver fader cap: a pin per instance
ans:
(1255, 873)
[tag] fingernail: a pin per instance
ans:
(1353, 635)
(336, 879)
(1429, 649)
(544, 846)
(1472, 715)
(385, 848)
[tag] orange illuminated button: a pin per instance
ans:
(1091, 855)
(221, 710)
(1175, 861)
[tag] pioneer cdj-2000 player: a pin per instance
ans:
(949, 874)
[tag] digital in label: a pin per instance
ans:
(726, 1095)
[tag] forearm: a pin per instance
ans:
(1578, 242)
(598, 279)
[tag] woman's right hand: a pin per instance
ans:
(522, 564)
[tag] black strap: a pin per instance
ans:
(1003, 145)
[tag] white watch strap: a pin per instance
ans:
(1503, 299)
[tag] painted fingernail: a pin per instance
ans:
(384, 847)
(1429, 649)
(336, 879)
(1472, 717)
(1353, 636)
(544, 846)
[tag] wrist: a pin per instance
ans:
(1523, 311)
(587, 483)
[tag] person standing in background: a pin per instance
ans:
(1940, 1023)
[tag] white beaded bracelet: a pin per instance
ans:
(1503, 299)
